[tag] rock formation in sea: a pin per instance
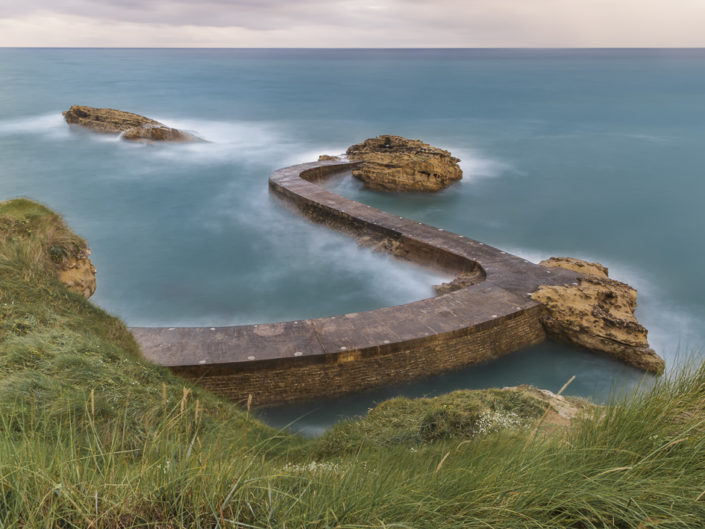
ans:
(598, 313)
(394, 163)
(133, 127)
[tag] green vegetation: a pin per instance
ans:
(92, 436)
(457, 415)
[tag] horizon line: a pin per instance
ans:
(360, 48)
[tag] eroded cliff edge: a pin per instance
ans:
(77, 272)
(65, 253)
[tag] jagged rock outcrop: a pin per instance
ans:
(78, 274)
(576, 265)
(597, 313)
(133, 127)
(394, 163)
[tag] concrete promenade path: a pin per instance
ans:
(326, 357)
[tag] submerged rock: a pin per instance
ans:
(597, 313)
(462, 281)
(395, 163)
(133, 127)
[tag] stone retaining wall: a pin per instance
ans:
(335, 374)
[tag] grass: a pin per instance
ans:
(457, 415)
(91, 436)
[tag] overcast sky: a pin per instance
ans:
(353, 23)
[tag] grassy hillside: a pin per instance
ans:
(60, 352)
(93, 436)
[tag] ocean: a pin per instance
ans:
(596, 154)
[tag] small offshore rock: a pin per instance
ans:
(394, 163)
(327, 157)
(596, 313)
(133, 127)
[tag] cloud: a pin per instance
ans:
(257, 15)
(352, 23)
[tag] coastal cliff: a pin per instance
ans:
(597, 313)
(133, 127)
(394, 163)
(74, 392)
(55, 247)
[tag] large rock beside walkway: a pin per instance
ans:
(598, 313)
(394, 163)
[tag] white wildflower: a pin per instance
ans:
(314, 467)
(494, 421)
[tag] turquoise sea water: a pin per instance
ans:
(593, 154)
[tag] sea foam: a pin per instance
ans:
(50, 126)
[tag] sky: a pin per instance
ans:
(353, 23)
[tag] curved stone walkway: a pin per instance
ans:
(326, 357)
